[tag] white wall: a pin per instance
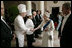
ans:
(49, 4)
(37, 4)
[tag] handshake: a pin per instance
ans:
(33, 29)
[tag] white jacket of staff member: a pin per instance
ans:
(20, 27)
(29, 22)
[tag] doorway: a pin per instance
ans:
(55, 11)
(33, 6)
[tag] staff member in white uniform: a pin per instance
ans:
(20, 27)
(29, 24)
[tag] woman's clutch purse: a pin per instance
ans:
(50, 37)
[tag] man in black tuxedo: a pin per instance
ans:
(38, 20)
(6, 33)
(35, 23)
(38, 17)
(66, 28)
(34, 18)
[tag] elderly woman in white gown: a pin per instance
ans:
(48, 27)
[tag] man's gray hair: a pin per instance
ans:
(67, 5)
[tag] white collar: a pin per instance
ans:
(34, 16)
(67, 16)
(1, 17)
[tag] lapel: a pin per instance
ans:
(35, 18)
(6, 25)
(38, 16)
(34, 21)
(66, 23)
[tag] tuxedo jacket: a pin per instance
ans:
(5, 32)
(35, 22)
(66, 32)
(38, 19)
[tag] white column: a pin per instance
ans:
(45, 5)
(29, 5)
(41, 6)
(48, 6)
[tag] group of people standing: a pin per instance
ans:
(30, 24)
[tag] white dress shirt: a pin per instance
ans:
(34, 18)
(60, 17)
(64, 21)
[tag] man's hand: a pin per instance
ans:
(32, 30)
(35, 29)
(14, 36)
